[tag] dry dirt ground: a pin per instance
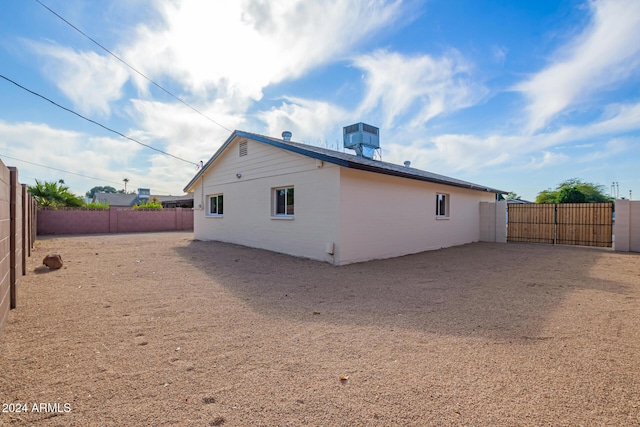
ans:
(158, 329)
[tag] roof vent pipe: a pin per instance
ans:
(407, 163)
(286, 135)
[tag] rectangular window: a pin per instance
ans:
(442, 205)
(215, 205)
(283, 201)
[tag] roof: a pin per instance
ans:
(116, 199)
(518, 202)
(184, 197)
(345, 160)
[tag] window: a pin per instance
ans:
(215, 205)
(283, 201)
(442, 205)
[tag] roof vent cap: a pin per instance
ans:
(286, 135)
(407, 164)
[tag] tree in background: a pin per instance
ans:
(99, 189)
(574, 191)
(512, 196)
(54, 194)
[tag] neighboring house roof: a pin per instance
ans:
(185, 201)
(518, 202)
(163, 199)
(345, 160)
(119, 199)
(116, 199)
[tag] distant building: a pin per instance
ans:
(141, 197)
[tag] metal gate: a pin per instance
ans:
(584, 224)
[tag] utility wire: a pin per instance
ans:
(131, 67)
(56, 169)
(61, 170)
(96, 123)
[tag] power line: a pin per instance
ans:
(132, 68)
(61, 170)
(97, 123)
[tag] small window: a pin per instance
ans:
(283, 201)
(243, 148)
(442, 205)
(215, 205)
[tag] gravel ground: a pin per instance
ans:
(158, 329)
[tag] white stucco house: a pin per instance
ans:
(327, 205)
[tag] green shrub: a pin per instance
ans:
(149, 205)
(97, 206)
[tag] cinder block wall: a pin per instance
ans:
(115, 220)
(5, 240)
(73, 221)
(16, 215)
(627, 226)
(493, 221)
(15, 255)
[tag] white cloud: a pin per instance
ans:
(463, 153)
(309, 121)
(202, 50)
(399, 84)
(108, 159)
(89, 80)
(239, 48)
(605, 54)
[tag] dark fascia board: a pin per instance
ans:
(393, 170)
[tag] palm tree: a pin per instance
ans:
(54, 194)
(125, 184)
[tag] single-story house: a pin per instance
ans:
(116, 199)
(518, 202)
(327, 205)
(185, 201)
(141, 197)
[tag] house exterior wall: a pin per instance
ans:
(248, 201)
(385, 216)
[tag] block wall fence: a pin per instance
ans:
(113, 220)
(17, 237)
(627, 226)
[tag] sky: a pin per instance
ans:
(515, 95)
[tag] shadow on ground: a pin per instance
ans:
(502, 291)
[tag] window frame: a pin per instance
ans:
(443, 201)
(275, 203)
(219, 205)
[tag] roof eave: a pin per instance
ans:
(468, 186)
(333, 160)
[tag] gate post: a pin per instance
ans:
(621, 229)
(555, 224)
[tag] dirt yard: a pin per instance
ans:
(156, 329)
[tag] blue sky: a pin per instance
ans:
(514, 95)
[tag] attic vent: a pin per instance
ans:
(243, 148)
